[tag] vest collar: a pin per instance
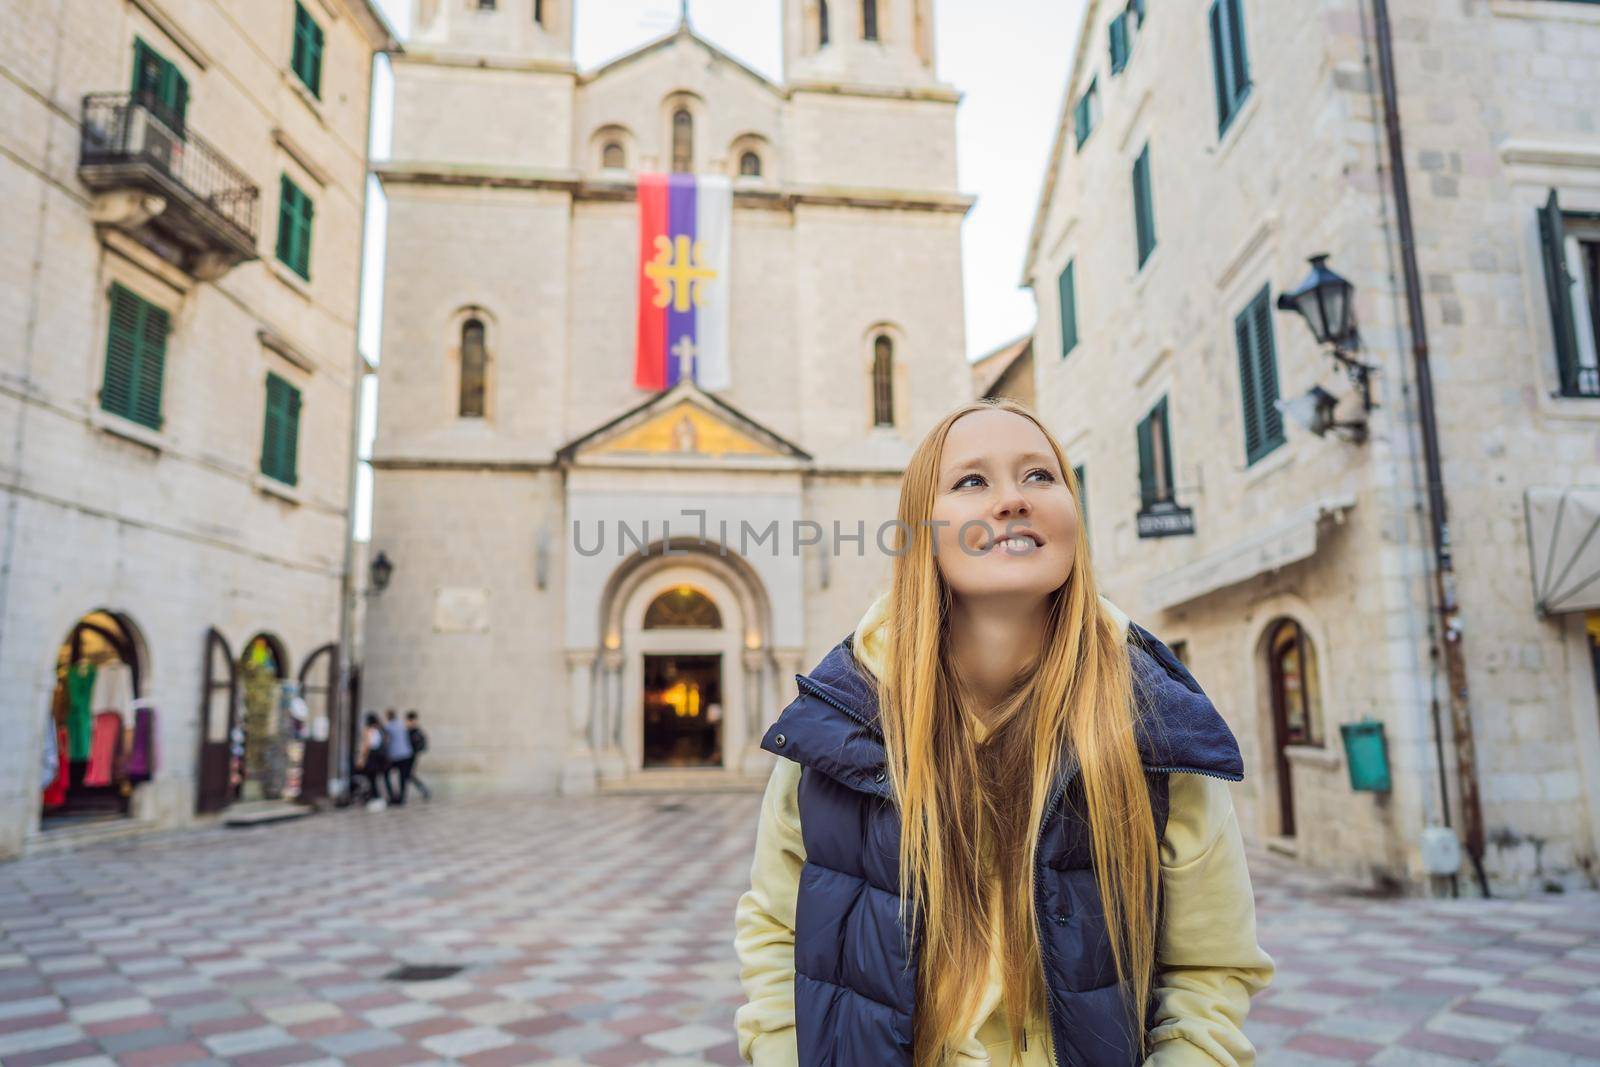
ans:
(833, 724)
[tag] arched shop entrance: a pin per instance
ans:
(103, 734)
(265, 760)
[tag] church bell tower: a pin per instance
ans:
(881, 43)
(495, 29)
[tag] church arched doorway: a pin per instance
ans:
(260, 766)
(682, 693)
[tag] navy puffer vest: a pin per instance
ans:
(855, 987)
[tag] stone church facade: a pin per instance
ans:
(592, 583)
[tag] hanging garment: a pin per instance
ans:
(141, 765)
(80, 716)
(56, 794)
(49, 754)
(106, 750)
(113, 690)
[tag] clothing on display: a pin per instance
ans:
(55, 794)
(106, 750)
(80, 713)
(141, 763)
(113, 690)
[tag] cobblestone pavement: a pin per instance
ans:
(597, 932)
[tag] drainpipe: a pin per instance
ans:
(1445, 605)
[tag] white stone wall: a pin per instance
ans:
(173, 529)
(1297, 172)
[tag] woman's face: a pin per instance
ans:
(1004, 521)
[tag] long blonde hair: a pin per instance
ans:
(952, 792)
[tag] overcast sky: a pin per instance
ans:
(1010, 59)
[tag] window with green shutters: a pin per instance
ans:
(159, 86)
(295, 212)
(1083, 113)
(1155, 458)
(1258, 378)
(1230, 61)
(1069, 309)
(1119, 43)
(281, 431)
(1144, 212)
(1570, 241)
(307, 58)
(136, 358)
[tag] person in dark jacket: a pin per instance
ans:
(375, 759)
(1000, 829)
(419, 745)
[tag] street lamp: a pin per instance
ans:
(1326, 301)
(382, 570)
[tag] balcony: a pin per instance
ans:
(164, 186)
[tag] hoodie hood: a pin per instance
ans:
(1180, 731)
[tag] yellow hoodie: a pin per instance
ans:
(1209, 964)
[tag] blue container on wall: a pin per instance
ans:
(1367, 755)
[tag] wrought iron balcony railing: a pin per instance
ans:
(208, 207)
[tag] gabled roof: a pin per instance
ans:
(668, 40)
(1052, 170)
(988, 370)
(637, 430)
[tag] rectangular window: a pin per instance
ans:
(1082, 478)
(136, 357)
(159, 87)
(1570, 242)
(295, 212)
(280, 431)
(1084, 113)
(1069, 309)
(1258, 378)
(1230, 62)
(1144, 212)
(307, 58)
(1119, 43)
(1155, 458)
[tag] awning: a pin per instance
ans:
(1286, 542)
(1564, 545)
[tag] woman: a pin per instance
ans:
(1000, 830)
(375, 763)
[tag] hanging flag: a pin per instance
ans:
(685, 226)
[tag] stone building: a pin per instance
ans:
(185, 188)
(511, 439)
(1205, 150)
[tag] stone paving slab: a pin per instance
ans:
(597, 932)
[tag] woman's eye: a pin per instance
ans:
(967, 478)
(1040, 470)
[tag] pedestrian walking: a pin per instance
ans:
(400, 756)
(1001, 831)
(419, 745)
(375, 761)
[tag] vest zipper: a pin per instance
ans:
(808, 686)
(1195, 770)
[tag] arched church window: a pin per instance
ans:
(474, 369)
(869, 20)
(822, 23)
(612, 157)
(750, 165)
(682, 141)
(882, 381)
(538, 12)
(682, 608)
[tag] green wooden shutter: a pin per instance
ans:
(1237, 52)
(136, 351)
(1147, 465)
(1083, 114)
(1230, 64)
(1069, 309)
(1119, 43)
(280, 431)
(1137, 7)
(1165, 490)
(159, 86)
(1081, 477)
(1558, 291)
(308, 43)
(1258, 378)
(295, 212)
(1144, 217)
